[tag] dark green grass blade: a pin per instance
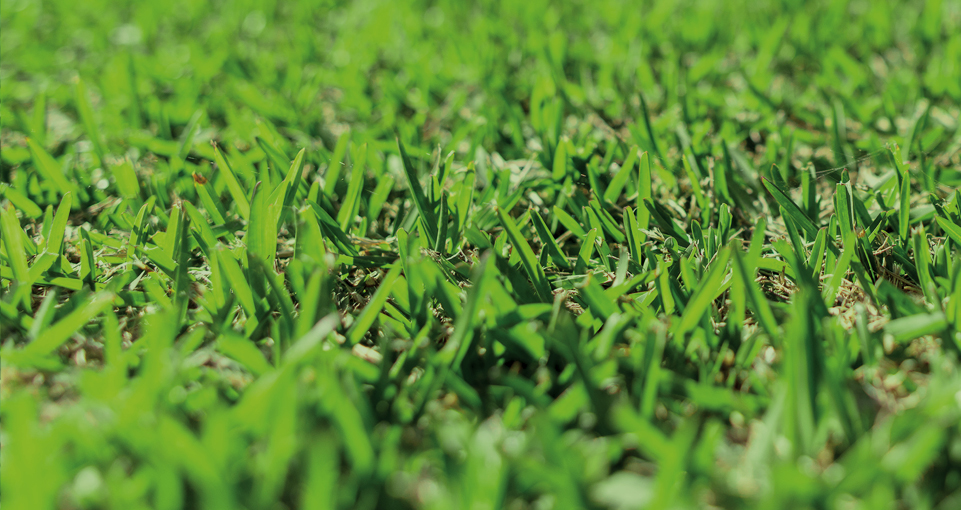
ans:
(797, 215)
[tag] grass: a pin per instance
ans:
(371, 254)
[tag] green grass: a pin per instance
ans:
(373, 254)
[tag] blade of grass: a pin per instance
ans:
(708, 289)
(233, 185)
(550, 244)
(800, 218)
(376, 304)
(262, 230)
(534, 270)
(428, 218)
(830, 291)
(54, 336)
(351, 204)
(761, 308)
(13, 242)
(48, 168)
(622, 176)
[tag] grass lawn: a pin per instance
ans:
(474, 255)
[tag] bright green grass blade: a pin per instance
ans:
(200, 225)
(584, 253)
(311, 340)
(904, 208)
(634, 235)
(237, 282)
(274, 155)
(953, 230)
(244, 352)
(667, 224)
(293, 178)
(598, 303)
(607, 221)
(839, 270)
(137, 234)
(550, 244)
(708, 289)
(450, 357)
(816, 259)
(350, 206)
(761, 308)
(331, 229)
(531, 266)
(462, 202)
(262, 230)
(275, 204)
(922, 260)
(594, 181)
(440, 243)
(126, 179)
(182, 257)
(13, 244)
(810, 199)
(48, 168)
(916, 326)
(171, 238)
(59, 225)
(800, 254)
(212, 207)
(644, 186)
(844, 208)
(653, 355)
(88, 261)
(28, 207)
(54, 336)
(622, 176)
(367, 317)
(159, 257)
(569, 222)
(233, 185)
(40, 266)
(333, 168)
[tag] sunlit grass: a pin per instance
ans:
(480, 255)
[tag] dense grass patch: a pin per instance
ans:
(447, 254)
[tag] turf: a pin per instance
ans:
(375, 254)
